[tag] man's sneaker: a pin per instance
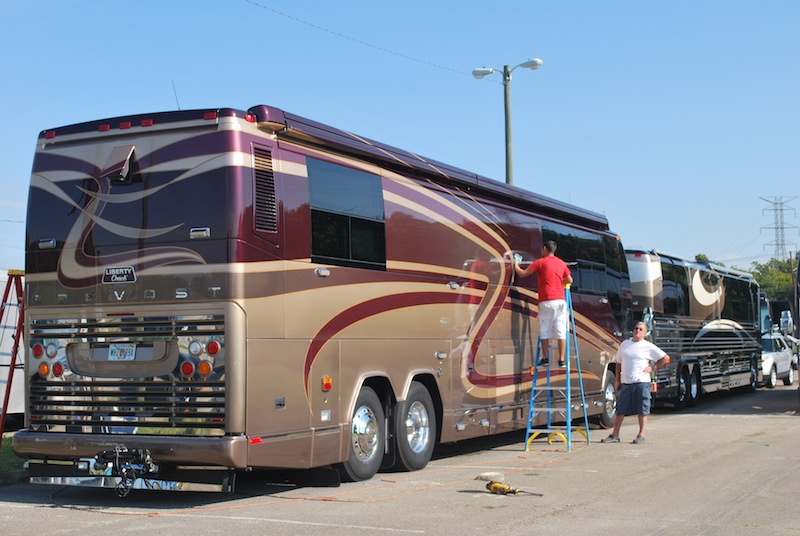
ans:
(544, 362)
(610, 439)
(639, 440)
(562, 364)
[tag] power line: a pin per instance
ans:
(355, 40)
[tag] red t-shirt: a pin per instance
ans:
(551, 271)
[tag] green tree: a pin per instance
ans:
(775, 278)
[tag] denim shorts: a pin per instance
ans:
(633, 399)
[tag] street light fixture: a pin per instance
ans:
(479, 73)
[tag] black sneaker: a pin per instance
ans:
(544, 362)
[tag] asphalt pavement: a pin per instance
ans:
(729, 466)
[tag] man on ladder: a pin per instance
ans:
(554, 275)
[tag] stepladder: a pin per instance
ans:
(557, 390)
(11, 320)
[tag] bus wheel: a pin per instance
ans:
(606, 417)
(366, 438)
(683, 388)
(693, 387)
(415, 429)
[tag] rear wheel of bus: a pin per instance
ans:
(693, 387)
(682, 397)
(415, 429)
(367, 438)
(606, 417)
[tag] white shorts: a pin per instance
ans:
(553, 319)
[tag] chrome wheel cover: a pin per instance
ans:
(364, 433)
(418, 427)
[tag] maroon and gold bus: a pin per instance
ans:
(217, 290)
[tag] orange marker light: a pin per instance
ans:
(44, 370)
(204, 368)
(327, 384)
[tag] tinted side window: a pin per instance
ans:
(738, 305)
(584, 254)
(675, 288)
(347, 216)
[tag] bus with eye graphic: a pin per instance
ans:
(705, 316)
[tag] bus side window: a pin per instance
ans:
(347, 216)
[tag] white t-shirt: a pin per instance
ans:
(634, 357)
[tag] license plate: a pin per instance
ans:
(122, 352)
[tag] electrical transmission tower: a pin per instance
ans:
(779, 226)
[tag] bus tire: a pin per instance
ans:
(367, 438)
(682, 396)
(753, 376)
(606, 417)
(415, 429)
(693, 387)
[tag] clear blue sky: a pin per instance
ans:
(671, 118)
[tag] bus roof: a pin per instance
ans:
(295, 128)
(718, 268)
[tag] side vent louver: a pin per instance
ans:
(266, 211)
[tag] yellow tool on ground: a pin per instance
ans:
(502, 489)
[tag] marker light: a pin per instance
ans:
(187, 368)
(58, 370)
(44, 369)
(327, 384)
(37, 350)
(213, 347)
(195, 348)
(51, 350)
(204, 368)
(209, 116)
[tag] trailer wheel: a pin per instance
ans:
(415, 429)
(683, 388)
(693, 387)
(367, 435)
(606, 417)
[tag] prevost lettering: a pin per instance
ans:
(119, 274)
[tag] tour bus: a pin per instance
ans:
(219, 290)
(705, 316)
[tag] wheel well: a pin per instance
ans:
(612, 367)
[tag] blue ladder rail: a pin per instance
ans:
(548, 390)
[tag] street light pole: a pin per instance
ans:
(507, 103)
(532, 64)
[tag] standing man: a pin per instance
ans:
(553, 276)
(637, 358)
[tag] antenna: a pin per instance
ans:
(175, 91)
